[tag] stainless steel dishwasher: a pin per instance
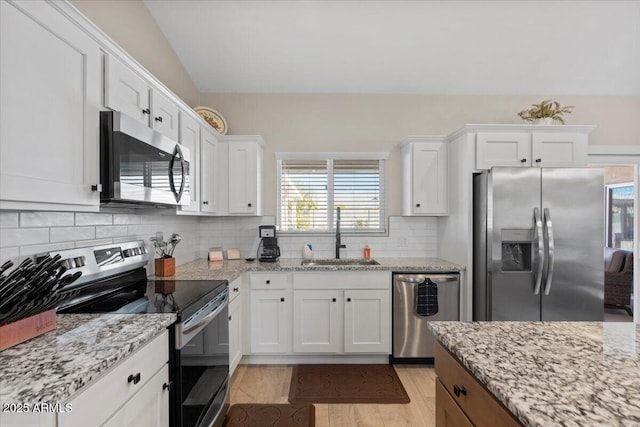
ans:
(412, 340)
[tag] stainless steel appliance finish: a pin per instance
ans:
(139, 165)
(114, 280)
(538, 244)
(411, 337)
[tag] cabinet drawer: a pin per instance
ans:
(448, 413)
(269, 281)
(100, 400)
(235, 289)
(342, 280)
(476, 402)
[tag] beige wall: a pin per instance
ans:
(130, 24)
(347, 122)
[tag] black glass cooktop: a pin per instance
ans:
(183, 297)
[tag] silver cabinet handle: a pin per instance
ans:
(540, 258)
(550, 247)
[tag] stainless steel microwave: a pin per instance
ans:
(139, 165)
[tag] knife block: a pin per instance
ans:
(165, 267)
(27, 328)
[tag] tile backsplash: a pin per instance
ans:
(407, 237)
(27, 233)
(24, 234)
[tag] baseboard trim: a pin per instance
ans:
(290, 359)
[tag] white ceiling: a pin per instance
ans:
(437, 47)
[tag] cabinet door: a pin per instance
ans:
(190, 138)
(448, 413)
(243, 178)
(164, 115)
(430, 178)
(317, 321)
(559, 149)
(512, 149)
(50, 86)
(149, 407)
(126, 91)
(235, 334)
(270, 321)
(208, 172)
(367, 321)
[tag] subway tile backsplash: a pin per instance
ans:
(27, 233)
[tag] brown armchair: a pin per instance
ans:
(618, 279)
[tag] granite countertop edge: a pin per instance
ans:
(53, 367)
(613, 345)
(202, 269)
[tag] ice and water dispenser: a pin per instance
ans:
(516, 249)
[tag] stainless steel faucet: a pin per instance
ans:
(338, 242)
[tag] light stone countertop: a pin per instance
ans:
(553, 373)
(230, 270)
(52, 367)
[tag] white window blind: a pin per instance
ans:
(311, 190)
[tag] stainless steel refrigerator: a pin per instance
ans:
(539, 244)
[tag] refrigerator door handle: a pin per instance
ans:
(550, 247)
(537, 235)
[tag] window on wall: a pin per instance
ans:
(311, 186)
(620, 215)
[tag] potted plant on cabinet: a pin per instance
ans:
(547, 112)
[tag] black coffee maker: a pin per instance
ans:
(268, 249)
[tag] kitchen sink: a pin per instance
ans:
(338, 262)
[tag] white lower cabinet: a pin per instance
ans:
(134, 393)
(336, 321)
(367, 321)
(270, 320)
(235, 335)
(147, 408)
(317, 321)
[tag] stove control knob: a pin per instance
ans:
(70, 263)
(126, 253)
(79, 261)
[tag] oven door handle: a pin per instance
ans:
(208, 318)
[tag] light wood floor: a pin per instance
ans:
(270, 384)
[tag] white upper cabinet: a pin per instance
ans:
(527, 146)
(126, 91)
(209, 181)
(559, 149)
(425, 183)
(164, 115)
(190, 138)
(50, 86)
(245, 174)
(506, 149)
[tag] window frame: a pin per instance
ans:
(330, 157)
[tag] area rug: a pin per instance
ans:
(346, 384)
(271, 415)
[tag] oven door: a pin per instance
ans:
(202, 377)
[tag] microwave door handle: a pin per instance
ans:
(171, 184)
(177, 194)
(184, 177)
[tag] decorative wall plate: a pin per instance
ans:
(214, 118)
